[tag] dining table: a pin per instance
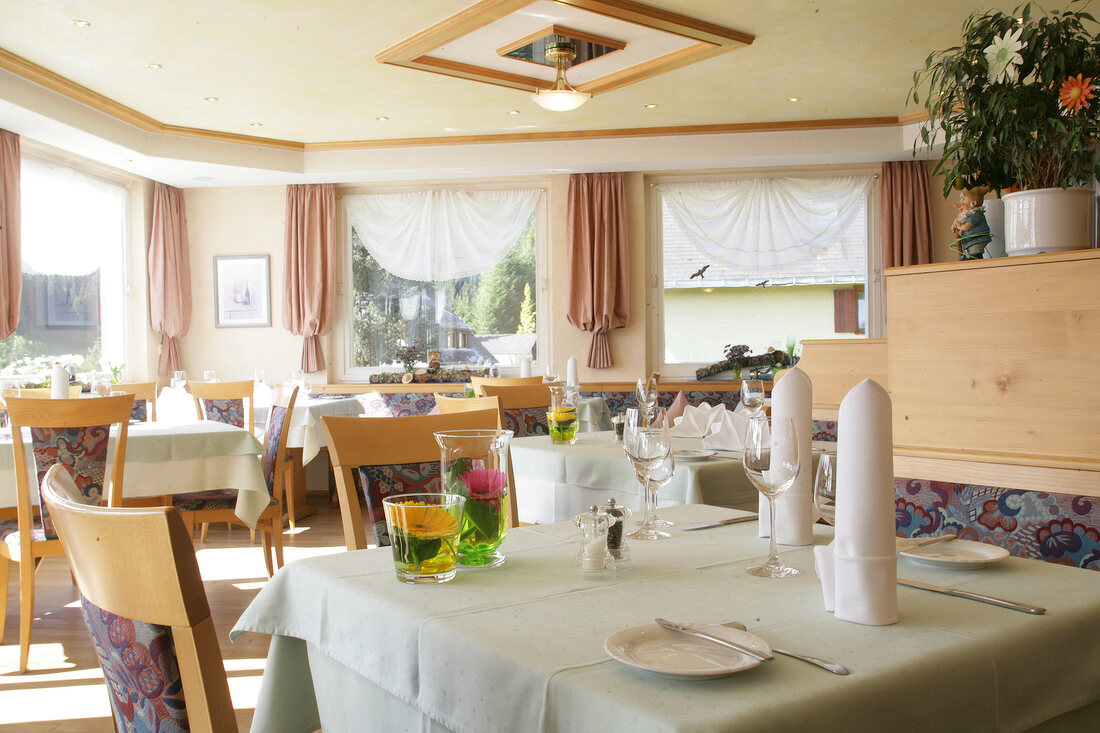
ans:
(177, 458)
(529, 646)
(555, 482)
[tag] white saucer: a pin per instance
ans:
(954, 555)
(689, 456)
(676, 655)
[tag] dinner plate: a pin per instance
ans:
(676, 655)
(954, 555)
(688, 456)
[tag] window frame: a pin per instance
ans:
(655, 247)
(341, 327)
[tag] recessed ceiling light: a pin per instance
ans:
(255, 124)
(650, 106)
(81, 23)
(793, 99)
(153, 67)
(513, 111)
(382, 119)
(210, 99)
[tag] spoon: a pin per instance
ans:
(831, 666)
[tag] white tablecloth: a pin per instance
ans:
(178, 459)
(305, 422)
(555, 483)
(520, 648)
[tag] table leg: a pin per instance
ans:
(294, 493)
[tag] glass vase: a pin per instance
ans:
(474, 464)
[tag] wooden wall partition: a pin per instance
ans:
(992, 371)
(836, 365)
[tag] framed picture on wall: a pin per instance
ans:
(242, 291)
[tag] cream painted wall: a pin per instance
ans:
(237, 221)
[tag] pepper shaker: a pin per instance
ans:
(594, 560)
(616, 538)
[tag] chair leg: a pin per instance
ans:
(202, 531)
(277, 540)
(265, 540)
(26, 611)
(5, 567)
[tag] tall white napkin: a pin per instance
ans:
(525, 367)
(865, 565)
(571, 372)
(728, 432)
(792, 397)
(696, 421)
(59, 382)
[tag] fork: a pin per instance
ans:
(824, 664)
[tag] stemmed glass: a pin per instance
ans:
(825, 488)
(772, 466)
(661, 475)
(752, 395)
(210, 376)
(647, 444)
(179, 378)
(646, 391)
(549, 376)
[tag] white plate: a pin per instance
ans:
(688, 456)
(676, 655)
(954, 554)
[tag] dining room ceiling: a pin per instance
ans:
(308, 75)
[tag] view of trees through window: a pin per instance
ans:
(482, 319)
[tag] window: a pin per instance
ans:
(73, 235)
(710, 299)
(479, 318)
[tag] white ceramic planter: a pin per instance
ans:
(995, 218)
(1048, 220)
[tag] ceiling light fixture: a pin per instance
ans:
(81, 23)
(513, 111)
(650, 106)
(561, 97)
(794, 99)
(382, 119)
(255, 124)
(210, 99)
(153, 67)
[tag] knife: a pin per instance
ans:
(733, 520)
(673, 626)
(1014, 605)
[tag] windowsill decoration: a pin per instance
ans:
(738, 359)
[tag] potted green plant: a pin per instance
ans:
(1016, 104)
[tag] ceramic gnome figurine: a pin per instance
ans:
(970, 228)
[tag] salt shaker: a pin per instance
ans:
(594, 561)
(616, 540)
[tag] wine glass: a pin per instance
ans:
(772, 466)
(549, 375)
(179, 378)
(752, 395)
(825, 488)
(306, 387)
(647, 444)
(646, 392)
(661, 475)
(209, 376)
(258, 376)
(296, 376)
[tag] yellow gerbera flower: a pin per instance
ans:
(1075, 93)
(424, 522)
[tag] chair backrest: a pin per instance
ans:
(400, 455)
(478, 382)
(227, 402)
(145, 399)
(41, 393)
(144, 603)
(524, 407)
(275, 435)
(455, 405)
(76, 434)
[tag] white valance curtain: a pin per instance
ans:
(764, 222)
(440, 234)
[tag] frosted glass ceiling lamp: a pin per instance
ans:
(561, 97)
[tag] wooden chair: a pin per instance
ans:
(143, 601)
(227, 402)
(41, 393)
(524, 407)
(405, 456)
(220, 505)
(145, 399)
(478, 382)
(74, 433)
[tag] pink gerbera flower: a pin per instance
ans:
(484, 483)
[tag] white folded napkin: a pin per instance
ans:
(728, 433)
(696, 421)
(59, 382)
(792, 397)
(864, 552)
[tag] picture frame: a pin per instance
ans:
(242, 291)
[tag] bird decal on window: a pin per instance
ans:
(762, 284)
(699, 273)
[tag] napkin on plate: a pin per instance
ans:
(676, 409)
(729, 432)
(863, 555)
(792, 397)
(696, 421)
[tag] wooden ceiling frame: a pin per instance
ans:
(710, 40)
(559, 30)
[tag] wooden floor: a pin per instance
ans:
(64, 691)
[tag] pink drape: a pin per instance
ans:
(906, 214)
(310, 267)
(597, 256)
(11, 261)
(169, 275)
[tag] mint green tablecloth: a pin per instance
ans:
(520, 648)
